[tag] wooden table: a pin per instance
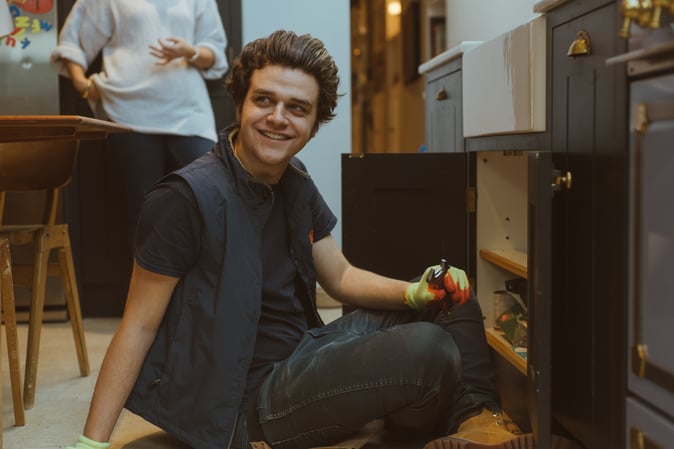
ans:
(35, 128)
(26, 128)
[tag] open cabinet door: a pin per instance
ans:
(402, 212)
(540, 194)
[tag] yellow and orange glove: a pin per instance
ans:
(457, 285)
(419, 295)
(86, 443)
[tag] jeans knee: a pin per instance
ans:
(434, 349)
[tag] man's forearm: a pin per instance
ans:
(118, 374)
(362, 288)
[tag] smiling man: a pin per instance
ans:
(221, 343)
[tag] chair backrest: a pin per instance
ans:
(37, 166)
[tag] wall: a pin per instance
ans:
(330, 22)
(468, 22)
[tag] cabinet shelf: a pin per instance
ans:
(497, 341)
(509, 259)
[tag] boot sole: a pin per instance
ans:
(519, 442)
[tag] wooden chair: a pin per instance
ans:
(42, 166)
(9, 317)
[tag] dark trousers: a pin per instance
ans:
(421, 372)
(140, 160)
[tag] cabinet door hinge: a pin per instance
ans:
(471, 200)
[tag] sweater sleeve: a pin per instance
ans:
(86, 30)
(210, 33)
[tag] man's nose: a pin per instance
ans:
(277, 115)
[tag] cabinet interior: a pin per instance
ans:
(501, 228)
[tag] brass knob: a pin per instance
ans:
(442, 95)
(580, 45)
(563, 181)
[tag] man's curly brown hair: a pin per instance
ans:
(287, 49)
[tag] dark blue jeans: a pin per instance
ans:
(421, 372)
(140, 160)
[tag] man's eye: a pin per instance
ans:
(297, 108)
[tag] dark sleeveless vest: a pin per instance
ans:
(193, 377)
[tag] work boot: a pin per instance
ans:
(493, 430)
(259, 445)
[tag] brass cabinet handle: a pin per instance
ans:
(560, 181)
(580, 46)
(640, 441)
(442, 95)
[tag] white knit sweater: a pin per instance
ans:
(135, 90)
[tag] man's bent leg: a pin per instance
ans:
(476, 387)
(342, 377)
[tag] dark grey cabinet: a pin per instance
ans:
(444, 99)
(576, 216)
(444, 124)
(402, 212)
(587, 107)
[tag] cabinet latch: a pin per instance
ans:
(471, 200)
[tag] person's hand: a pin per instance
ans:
(419, 295)
(87, 88)
(86, 443)
(457, 285)
(170, 49)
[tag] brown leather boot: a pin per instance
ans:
(493, 430)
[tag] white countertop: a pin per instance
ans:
(542, 6)
(446, 56)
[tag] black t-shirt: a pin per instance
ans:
(168, 242)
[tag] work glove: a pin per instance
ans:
(419, 295)
(457, 285)
(86, 443)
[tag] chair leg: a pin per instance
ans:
(9, 315)
(73, 302)
(35, 320)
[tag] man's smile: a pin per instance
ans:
(274, 136)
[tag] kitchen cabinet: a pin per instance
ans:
(444, 104)
(402, 212)
(588, 138)
(549, 198)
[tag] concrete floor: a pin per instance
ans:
(62, 396)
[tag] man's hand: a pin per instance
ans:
(86, 443)
(457, 285)
(419, 295)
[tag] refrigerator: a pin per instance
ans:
(29, 86)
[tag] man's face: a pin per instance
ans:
(277, 118)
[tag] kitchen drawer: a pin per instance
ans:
(646, 428)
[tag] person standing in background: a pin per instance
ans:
(156, 55)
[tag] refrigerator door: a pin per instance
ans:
(28, 84)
